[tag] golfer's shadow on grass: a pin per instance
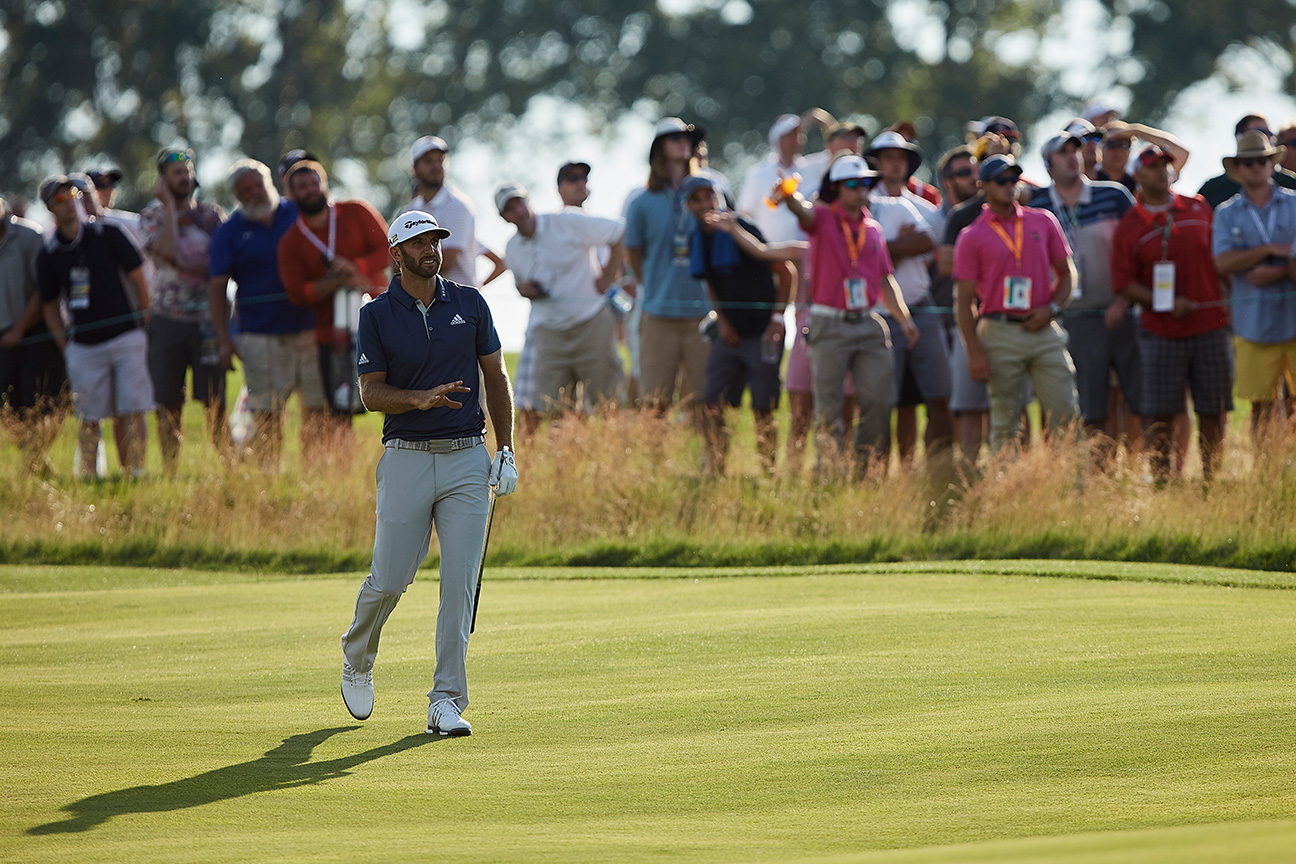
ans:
(284, 767)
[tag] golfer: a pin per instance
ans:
(419, 348)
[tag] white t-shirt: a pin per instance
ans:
(893, 213)
(454, 211)
(780, 224)
(562, 256)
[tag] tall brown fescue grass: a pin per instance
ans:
(632, 479)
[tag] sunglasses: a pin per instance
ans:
(175, 156)
(66, 195)
(1117, 145)
(858, 183)
(1093, 137)
(1252, 161)
(962, 172)
(1005, 179)
(574, 178)
(1005, 131)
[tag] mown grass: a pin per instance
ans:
(993, 711)
(627, 488)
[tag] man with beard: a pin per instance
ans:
(333, 250)
(429, 158)
(276, 342)
(422, 344)
(177, 236)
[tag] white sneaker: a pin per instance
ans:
(357, 693)
(444, 719)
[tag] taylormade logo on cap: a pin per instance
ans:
(414, 223)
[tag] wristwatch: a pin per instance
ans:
(1055, 309)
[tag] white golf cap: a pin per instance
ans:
(782, 126)
(849, 168)
(410, 225)
(507, 193)
(427, 144)
(1095, 108)
(674, 125)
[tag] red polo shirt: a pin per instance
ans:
(983, 256)
(360, 236)
(1136, 247)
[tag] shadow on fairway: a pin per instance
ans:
(284, 767)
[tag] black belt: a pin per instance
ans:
(1006, 316)
(436, 445)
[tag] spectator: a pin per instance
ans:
(1252, 244)
(1101, 332)
(1015, 260)
(672, 302)
(1161, 259)
(430, 158)
(332, 251)
(1119, 137)
(787, 139)
(554, 259)
(926, 191)
(1222, 187)
(573, 183)
(731, 255)
(910, 237)
(1287, 140)
(288, 160)
(106, 351)
(181, 336)
(32, 375)
(1090, 137)
(276, 340)
(851, 273)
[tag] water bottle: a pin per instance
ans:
(620, 300)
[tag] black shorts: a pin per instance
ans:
(175, 347)
(32, 375)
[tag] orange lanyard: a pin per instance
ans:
(1014, 248)
(854, 242)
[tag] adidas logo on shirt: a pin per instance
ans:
(457, 320)
(363, 358)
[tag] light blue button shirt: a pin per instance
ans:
(1260, 314)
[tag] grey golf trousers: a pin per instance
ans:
(416, 491)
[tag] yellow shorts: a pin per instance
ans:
(1259, 367)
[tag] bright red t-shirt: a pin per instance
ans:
(361, 237)
(830, 256)
(985, 257)
(1136, 248)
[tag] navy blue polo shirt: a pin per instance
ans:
(247, 251)
(419, 352)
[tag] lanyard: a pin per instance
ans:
(1166, 233)
(854, 242)
(1265, 228)
(1014, 247)
(1070, 215)
(332, 234)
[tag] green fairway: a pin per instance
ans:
(944, 712)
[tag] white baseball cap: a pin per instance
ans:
(427, 144)
(410, 225)
(782, 126)
(507, 193)
(849, 168)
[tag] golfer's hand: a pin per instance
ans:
(503, 473)
(438, 397)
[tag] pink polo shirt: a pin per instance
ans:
(981, 254)
(830, 261)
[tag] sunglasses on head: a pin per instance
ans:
(175, 156)
(858, 183)
(66, 195)
(1004, 179)
(1251, 161)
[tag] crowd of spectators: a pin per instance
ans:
(1099, 290)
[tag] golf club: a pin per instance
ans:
(490, 517)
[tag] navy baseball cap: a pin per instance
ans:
(996, 165)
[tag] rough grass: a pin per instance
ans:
(998, 711)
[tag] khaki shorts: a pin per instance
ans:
(667, 346)
(276, 366)
(1259, 366)
(585, 354)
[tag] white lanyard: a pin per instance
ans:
(332, 234)
(1265, 228)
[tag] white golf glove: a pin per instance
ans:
(503, 473)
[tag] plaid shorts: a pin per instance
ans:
(1203, 363)
(524, 377)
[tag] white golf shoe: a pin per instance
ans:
(444, 719)
(357, 693)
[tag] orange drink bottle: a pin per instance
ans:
(786, 187)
